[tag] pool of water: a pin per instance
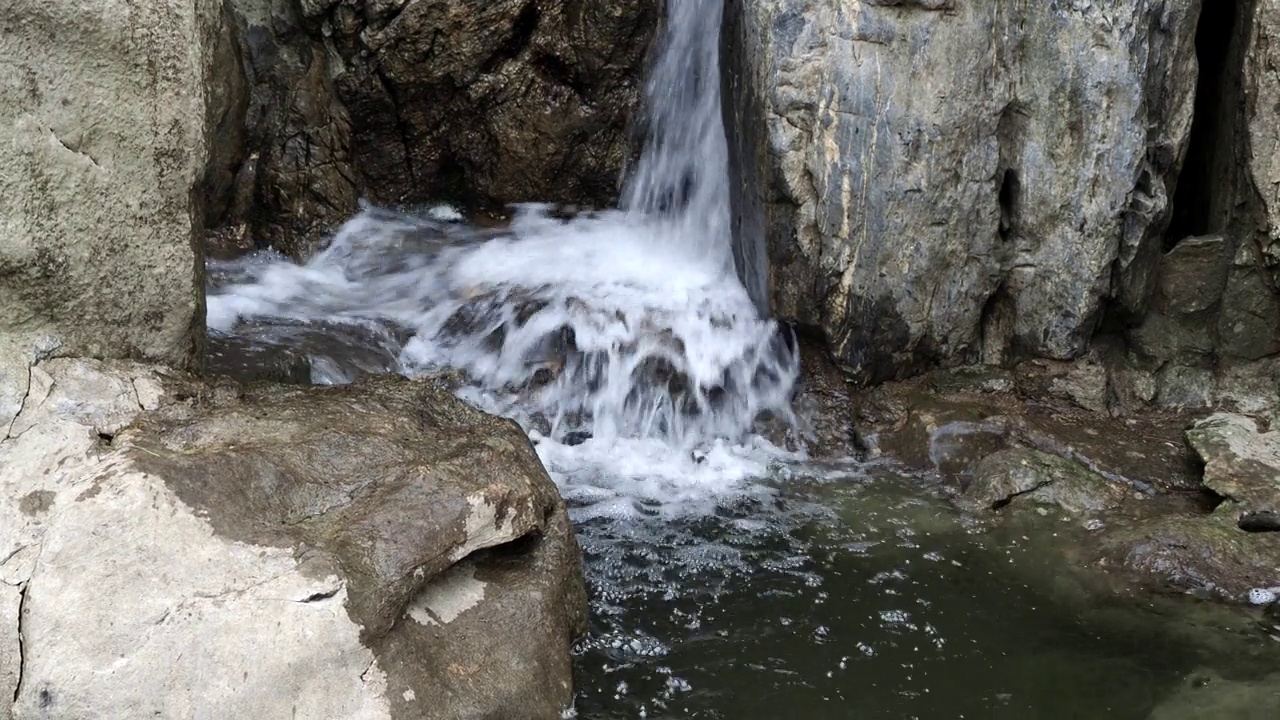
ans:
(868, 597)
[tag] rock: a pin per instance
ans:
(247, 361)
(1024, 477)
(1204, 553)
(1241, 464)
(1028, 154)
(297, 179)
(10, 643)
(1262, 87)
(412, 101)
(945, 422)
(1206, 694)
(355, 552)
(108, 136)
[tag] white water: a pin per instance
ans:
(622, 340)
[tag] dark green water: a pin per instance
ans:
(866, 598)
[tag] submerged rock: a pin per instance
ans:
(1206, 694)
(369, 551)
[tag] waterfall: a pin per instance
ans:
(622, 328)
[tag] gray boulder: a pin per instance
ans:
(936, 182)
(107, 134)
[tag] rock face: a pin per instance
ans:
(415, 100)
(107, 135)
(379, 550)
(940, 182)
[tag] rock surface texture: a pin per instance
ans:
(374, 551)
(406, 101)
(938, 183)
(106, 129)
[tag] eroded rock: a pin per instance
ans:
(267, 551)
(950, 420)
(1197, 552)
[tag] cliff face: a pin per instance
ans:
(937, 183)
(407, 101)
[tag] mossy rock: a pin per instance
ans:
(1021, 477)
(1200, 552)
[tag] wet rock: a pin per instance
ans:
(108, 137)
(370, 551)
(951, 430)
(1022, 477)
(296, 177)
(852, 128)
(248, 361)
(1206, 694)
(419, 100)
(1196, 552)
(1241, 465)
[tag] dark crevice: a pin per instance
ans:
(1010, 196)
(106, 438)
(559, 72)
(996, 326)
(1203, 201)
(22, 655)
(522, 29)
(317, 597)
(1259, 522)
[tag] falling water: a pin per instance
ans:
(619, 331)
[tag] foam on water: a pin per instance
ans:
(621, 340)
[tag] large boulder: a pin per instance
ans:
(377, 550)
(936, 181)
(409, 101)
(109, 124)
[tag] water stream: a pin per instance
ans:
(730, 578)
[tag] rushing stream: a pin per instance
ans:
(730, 578)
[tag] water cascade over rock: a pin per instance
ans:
(623, 326)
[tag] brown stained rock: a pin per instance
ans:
(371, 551)
(409, 101)
(394, 480)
